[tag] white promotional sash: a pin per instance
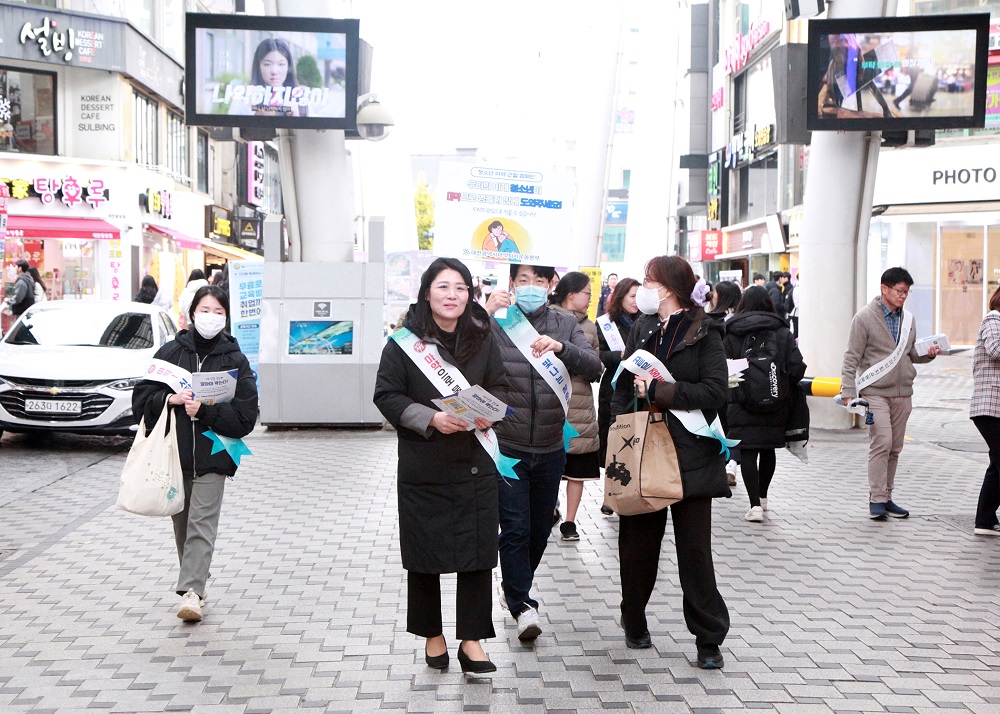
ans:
(522, 333)
(644, 364)
(877, 371)
(448, 380)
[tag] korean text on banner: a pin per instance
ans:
(246, 286)
(611, 333)
(595, 290)
(514, 215)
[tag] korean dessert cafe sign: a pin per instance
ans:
(37, 34)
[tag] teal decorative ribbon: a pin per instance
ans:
(234, 447)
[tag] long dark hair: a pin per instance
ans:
(572, 282)
(215, 292)
(755, 299)
(147, 290)
(36, 276)
(727, 297)
(267, 46)
(196, 274)
(614, 306)
(473, 324)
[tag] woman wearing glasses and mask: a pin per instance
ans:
(677, 332)
(447, 481)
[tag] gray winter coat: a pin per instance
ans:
(537, 427)
(582, 414)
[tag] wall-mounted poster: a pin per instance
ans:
(321, 337)
(514, 215)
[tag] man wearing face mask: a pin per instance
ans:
(204, 347)
(534, 433)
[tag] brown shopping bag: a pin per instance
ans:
(641, 474)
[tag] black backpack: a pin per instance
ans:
(765, 381)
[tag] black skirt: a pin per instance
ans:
(582, 467)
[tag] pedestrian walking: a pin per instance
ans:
(792, 303)
(985, 413)
(677, 332)
(776, 291)
(446, 479)
(758, 407)
(205, 347)
(41, 292)
(878, 368)
(23, 295)
(542, 350)
(196, 280)
(147, 290)
(606, 291)
(724, 299)
(572, 297)
(623, 312)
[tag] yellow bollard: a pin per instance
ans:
(821, 386)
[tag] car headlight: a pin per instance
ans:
(125, 384)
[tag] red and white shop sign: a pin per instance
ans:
(735, 56)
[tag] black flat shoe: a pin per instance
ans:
(474, 666)
(436, 661)
(642, 642)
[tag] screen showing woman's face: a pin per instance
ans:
(274, 69)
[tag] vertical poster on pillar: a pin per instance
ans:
(513, 215)
(115, 269)
(246, 288)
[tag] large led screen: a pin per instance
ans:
(277, 72)
(925, 72)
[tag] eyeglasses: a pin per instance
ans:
(901, 293)
(460, 288)
(588, 293)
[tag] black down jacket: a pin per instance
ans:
(446, 483)
(538, 424)
(762, 430)
(698, 363)
(234, 419)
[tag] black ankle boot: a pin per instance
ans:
(474, 666)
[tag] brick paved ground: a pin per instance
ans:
(830, 611)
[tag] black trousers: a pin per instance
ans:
(473, 606)
(639, 541)
(989, 494)
(757, 466)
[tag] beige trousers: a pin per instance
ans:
(885, 442)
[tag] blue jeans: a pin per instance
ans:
(526, 507)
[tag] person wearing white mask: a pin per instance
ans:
(534, 434)
(205, 347)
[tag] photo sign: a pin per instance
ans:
(512, 215)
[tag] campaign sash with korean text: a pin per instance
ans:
(448, 380)
(877, 371)
(522, 333)
(644, 364)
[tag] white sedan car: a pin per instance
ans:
(70, 365)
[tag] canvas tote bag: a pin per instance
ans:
(641, 474)
(152, 482)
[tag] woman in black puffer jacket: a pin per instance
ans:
(760, 430)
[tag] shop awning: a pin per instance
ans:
(182, 239)
(60, 227)
(229, 252)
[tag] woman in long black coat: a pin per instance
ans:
(760, 432)
(447, 483)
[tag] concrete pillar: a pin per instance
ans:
(838, 203)
(323, 182)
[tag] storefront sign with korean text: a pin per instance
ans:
(515, 215)
(255, 173)
(739, 50)
(218, 222)
(69, 190)
(37, 35)
(160, 203)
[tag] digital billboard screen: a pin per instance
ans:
(926, 72)
(273, 72)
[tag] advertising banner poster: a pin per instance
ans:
(993, 96)
(513, 215)
(246, 286)
(595, 290)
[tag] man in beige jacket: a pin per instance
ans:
(878, 367)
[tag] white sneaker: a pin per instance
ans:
(994, 531)
(754, 514)
(527, 625)
(731, 467)
(190, 609)
(763, 503)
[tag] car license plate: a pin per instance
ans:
(52, 406)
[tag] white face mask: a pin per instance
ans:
(209, 324)
(648, 300)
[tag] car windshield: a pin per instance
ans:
(85, 326)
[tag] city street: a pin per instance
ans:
(831, 612)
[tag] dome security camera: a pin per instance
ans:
(374, 121)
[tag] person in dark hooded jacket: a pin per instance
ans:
(760, 432)
(447, 482)
(203, 348)
(677, 332)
